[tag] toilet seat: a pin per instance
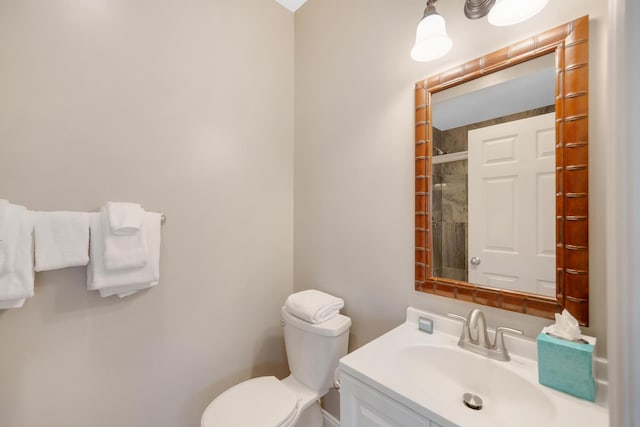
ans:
(258, 402)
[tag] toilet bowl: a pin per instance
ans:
(313, 351)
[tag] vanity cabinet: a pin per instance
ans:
(363, 406)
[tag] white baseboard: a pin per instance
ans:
(329, 420)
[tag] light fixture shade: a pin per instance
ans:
(432, 41)
(510, 12)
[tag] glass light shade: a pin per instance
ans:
(510, 12)
(432, 41)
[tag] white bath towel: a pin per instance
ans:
(9, 235)
(313, 306)
(124, 218)
(61, 240)
(111, 282)
(123, 251)
(17, 286)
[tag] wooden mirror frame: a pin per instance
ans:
(570, 42)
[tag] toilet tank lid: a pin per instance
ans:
(333, 327)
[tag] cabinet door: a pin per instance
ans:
(362, 406)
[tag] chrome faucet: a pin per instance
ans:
(475, 337)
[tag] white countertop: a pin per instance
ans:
(381, 365)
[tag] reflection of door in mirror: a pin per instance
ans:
(455, 188)
(482, 219)
(512, 205)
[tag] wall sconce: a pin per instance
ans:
(432, 41)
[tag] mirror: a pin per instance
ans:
(502, 154)
(502, 177)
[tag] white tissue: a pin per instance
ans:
(566, 327)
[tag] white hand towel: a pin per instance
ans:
(125, 280)
(152, 225)
(313, 306)
(125, 291)
(62, 240)
(17, 286)
(9, 236)
(124, 218)
(123, 250)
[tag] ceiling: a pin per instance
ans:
(292, 5)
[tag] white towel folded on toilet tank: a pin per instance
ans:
(128, 280)
(10, 222)
(313, 306)
(17, 285)
(62, 240)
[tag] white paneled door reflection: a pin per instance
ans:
(512, 205)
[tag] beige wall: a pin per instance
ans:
(354, 152)
(186, 107)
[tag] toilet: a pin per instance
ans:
(313, 351)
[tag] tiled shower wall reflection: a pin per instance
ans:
(450, 220)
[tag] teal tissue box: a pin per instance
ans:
(567, 366)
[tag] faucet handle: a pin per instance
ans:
(499, 342)
(455, 316)
(464, 335)
(511, 331)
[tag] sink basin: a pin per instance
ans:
(506, 395)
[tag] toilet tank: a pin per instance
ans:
(313, 350)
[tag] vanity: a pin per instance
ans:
(410, 378)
